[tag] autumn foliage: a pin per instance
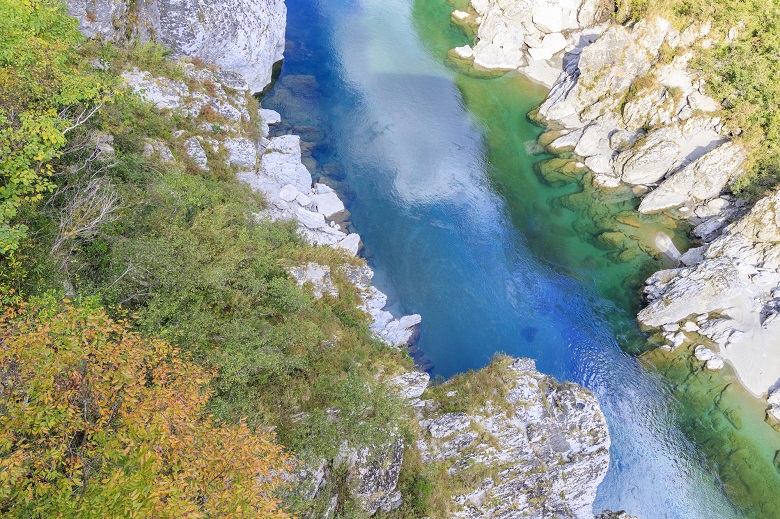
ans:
(96, 421)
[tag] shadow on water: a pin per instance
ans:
(465, 224)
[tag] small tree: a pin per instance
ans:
(46, 92)
(96, 421)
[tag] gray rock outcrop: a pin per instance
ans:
(242, 36)
(396, 332)
(542, 447)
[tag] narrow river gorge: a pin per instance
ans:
(437, 168)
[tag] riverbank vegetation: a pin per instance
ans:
(738, 62)
(152, 293)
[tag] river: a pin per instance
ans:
(437, 169)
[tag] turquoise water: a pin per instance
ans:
(436, 169)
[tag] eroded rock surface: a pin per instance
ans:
(396, 332)
(242, 36)
(543, 447)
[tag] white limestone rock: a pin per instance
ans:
(329, 205)
(464, 52)
(281, 162)
(544, 439)
(701, 180)
(243, 36)
(350, 243)
(711, 360)
(548, 18)
(551, 45)
(650, 162)
(411, 385)
(241, 152)
(289, 193)
(310, 219)
(395, 332)
(163, 93)
(303, 200)
(448, 424)
(489, 56)
(736, 279)
(270, 117)
(610, 64)
(196, 152)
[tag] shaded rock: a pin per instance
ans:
(196, 152)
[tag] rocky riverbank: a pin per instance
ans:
(626, 105)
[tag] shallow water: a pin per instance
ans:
(437, 169)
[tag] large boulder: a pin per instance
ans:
(701, 180)
(244, 36)
(282, 163)
(609, 64)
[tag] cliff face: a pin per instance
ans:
(242, 36)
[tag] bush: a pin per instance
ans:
(46, 91)
(98, 422)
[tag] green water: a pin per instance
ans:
(599, 239)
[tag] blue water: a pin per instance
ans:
(412, 163)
